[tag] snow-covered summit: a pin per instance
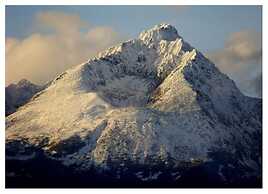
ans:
(158, 33)
(151, 97)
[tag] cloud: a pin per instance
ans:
(61, 22)
(68, 41)
(241, 59)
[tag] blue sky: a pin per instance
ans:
(197, 24)
(38, 37)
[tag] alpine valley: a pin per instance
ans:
(149, 112)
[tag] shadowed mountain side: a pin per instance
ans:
(42, 171)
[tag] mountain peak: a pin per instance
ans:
(159, 32)
(24, 82)
(151, 100)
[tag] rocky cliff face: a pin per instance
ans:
(152, 110)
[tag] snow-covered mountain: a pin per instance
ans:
(18, 94)
(149, 109)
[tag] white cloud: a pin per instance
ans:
(241, 59)
(41, 56)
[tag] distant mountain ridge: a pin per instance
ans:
(18, 94)
(152, 110)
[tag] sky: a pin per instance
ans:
(43, 41)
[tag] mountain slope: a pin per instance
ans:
(150, 101)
